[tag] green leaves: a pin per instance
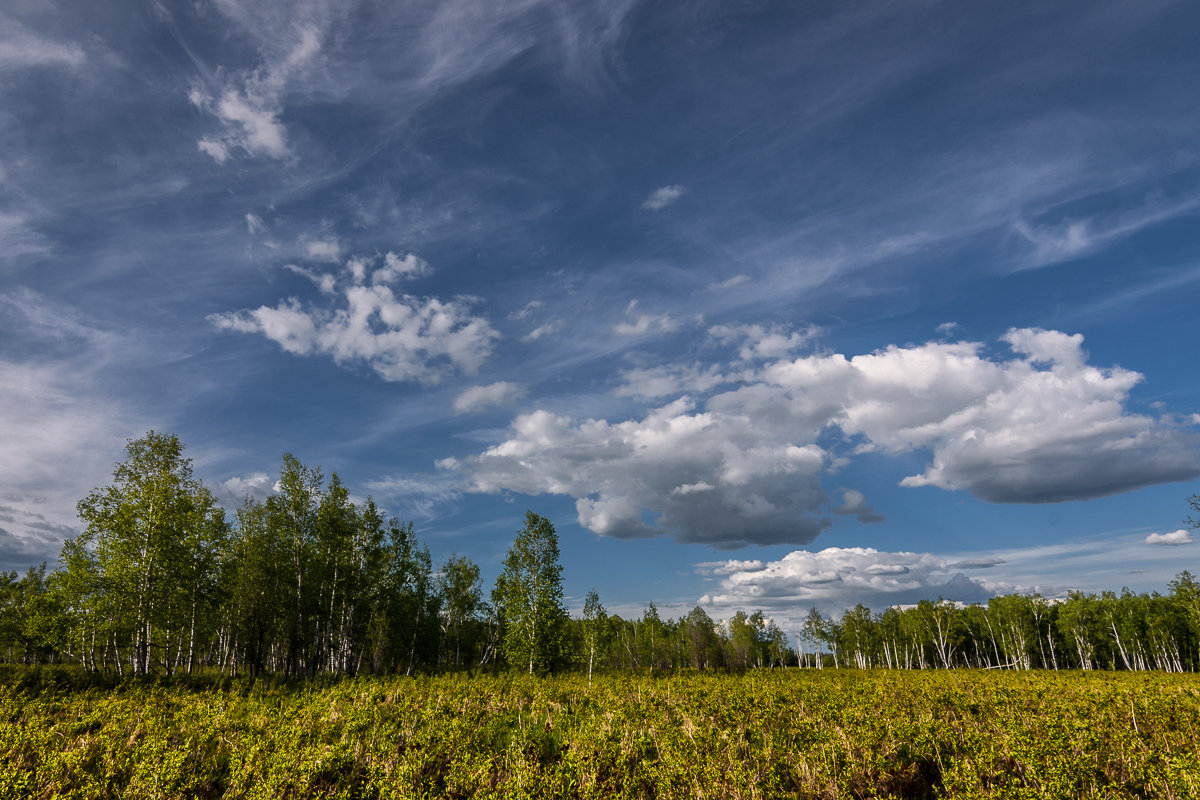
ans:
(148, 551)
(528, 597)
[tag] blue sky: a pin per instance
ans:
(765, 305)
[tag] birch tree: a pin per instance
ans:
(147, 530)
(528, 597)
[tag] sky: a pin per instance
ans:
(765, 305)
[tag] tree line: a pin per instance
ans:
(1126, 631)
(308, 582)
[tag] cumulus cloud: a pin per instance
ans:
(854, 503)
(233, 491)
(1173, 538)
(399, 336)
(662, 197)
(493, 394)
(1035, 426)
(838, 577)
(1040, 427)
(700, 477)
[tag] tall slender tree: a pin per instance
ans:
(462, 600)
(528, 597)
(593, 623)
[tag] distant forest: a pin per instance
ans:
(308, 582)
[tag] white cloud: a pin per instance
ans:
(701, 477)
(396, 268)
(670, 380)
(1070, 239)
(1173, 538)
(232, 491)
(1042, 427)
(322, 280)
(551, 327)
(18, 237)
(438, 46)
(249, 103)
(662, 197)
(524, 312)
(1052, 245)
(215, 150)
(763, 343)
(21, 48)
(415, 495)
(400, 337)
(1039, 426)
(249, 123)
(729, 283)
(254, 223)
(477, 397)
(836, 578)
(61, 430)
(328, 250)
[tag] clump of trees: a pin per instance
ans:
(304, 582)
(309, 582)
(1125, 631)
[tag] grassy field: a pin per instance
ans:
(822, 734)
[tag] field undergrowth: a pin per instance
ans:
(765, 734)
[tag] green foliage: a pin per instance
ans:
(462, 604)
(145, 561)
(528, 597)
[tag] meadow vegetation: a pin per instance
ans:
(766, 734)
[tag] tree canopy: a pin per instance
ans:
(528, 597)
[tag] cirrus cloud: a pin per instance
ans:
(493, 394)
